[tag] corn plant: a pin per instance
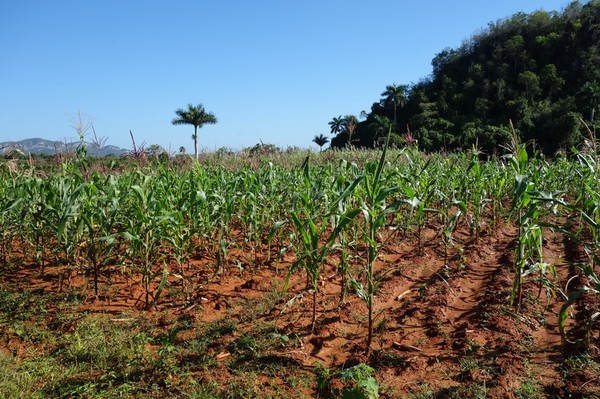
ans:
(589, 217)
(594, 289)
(340, 185)
(315, 236)
(145, 232)
(63, 214)
(418, 189)
(529, 235)
(100, 207)
(10, 201)
(479, 178)
(33, 215)
(587, 203)
(450, 215)
(375, 209)
(222, 203)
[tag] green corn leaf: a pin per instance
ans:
(291, 271)
(563, 314)
(163, 282)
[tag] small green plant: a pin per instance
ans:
(422, 392)
(564, 310)
(357, 382)
(529, 390)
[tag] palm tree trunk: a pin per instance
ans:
(196, 142)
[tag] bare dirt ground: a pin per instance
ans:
(444, 328)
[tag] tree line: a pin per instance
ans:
(535, 75)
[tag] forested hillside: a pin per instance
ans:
(540, 71)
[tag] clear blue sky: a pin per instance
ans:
(270, 70)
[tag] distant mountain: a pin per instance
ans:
(48, 147)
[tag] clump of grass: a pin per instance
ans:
(99, 344)
(97, 357)
(529, 390)
(17, 381)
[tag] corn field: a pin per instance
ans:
(305, 217)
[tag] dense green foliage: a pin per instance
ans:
(541, 71)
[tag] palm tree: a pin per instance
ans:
(321, 140)
(196, 116)
(337, 125)
(396, 96)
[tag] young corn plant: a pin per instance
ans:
(418, 187)
(180, 229)
(479, 179)
(145, 232)
(64, 216)
(9, 216)
(451, 215)
(39, 197)
(223, 205)
(590, 219)
(375, 209)
(315, 235)
(100, 207)
(563, 315)
(528, 203)
(528, 230)
(341, 183)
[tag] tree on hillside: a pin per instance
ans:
(394, 96)
(541, 71)
(590, 93)
(346, 131)
(196, 116)
(320, 140)
(155, 150)
(382, 125)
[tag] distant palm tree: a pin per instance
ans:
(337, 125)
(196, 116)
(321, 140)
(396, 96)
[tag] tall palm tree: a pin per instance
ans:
(321, 140)
(337, 125)
(394, 95)
(196, 116)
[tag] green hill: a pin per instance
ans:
(541, 71)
